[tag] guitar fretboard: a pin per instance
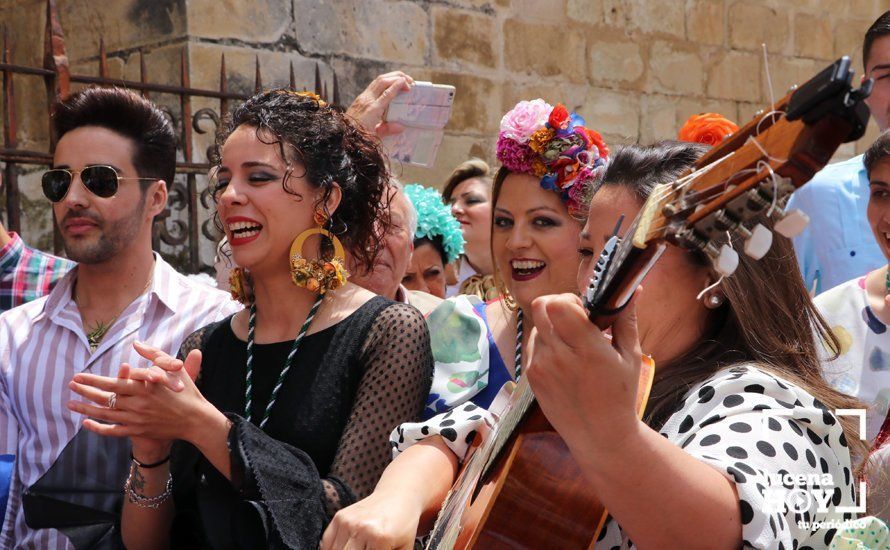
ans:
(522, 400)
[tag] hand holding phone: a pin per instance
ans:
(371, 105)
(423, 111)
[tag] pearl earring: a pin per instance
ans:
(714, 301)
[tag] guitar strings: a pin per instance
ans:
(761, 165)
(769, 80)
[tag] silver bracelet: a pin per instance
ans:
(144, 501)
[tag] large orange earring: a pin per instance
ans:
(317, 274)
(239, 285)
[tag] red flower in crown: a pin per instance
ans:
(559, 118)
(598, 141)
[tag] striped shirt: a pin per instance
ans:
(42, 346)
(27, 274)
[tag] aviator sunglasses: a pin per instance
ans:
(99, 180)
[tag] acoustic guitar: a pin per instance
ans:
(521, 488)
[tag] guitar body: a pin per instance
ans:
(536, 497)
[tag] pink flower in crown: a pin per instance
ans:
(585, 174)
(575, 200)
(516, 157)
(522, 121)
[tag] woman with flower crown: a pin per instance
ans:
(742, 443)
(549, 162)
(277, 419)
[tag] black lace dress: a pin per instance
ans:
(327, 439)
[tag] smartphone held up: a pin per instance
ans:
(423, 112)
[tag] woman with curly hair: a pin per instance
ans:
(437, 241)
(283, 424)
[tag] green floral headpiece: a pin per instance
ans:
(434, 219)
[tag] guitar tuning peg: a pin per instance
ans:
(791, 224)
(757, 241)
(725, 260)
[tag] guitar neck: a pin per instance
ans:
(521, 403)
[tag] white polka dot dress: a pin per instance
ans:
(785, 452)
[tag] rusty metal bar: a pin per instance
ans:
(54, 57)
(42, 158)
(9, 121)
(162, 88)
(103, 59)
(258, 78)
(25, 157)
(143, 74)
(223, 87)
(58, 86)
(185, 103)
(25, 70)
(9, 140)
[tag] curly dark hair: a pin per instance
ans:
(322, 144)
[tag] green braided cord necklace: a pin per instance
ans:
(517, 364)
(287, 364)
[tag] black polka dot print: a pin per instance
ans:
(766, 435)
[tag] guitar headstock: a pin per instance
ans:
(750, 174)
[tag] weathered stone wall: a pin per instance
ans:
(636, 69)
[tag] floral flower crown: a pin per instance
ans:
(552, 144)
(434, 219)
(707, 128)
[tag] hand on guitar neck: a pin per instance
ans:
(578, 373)
(586, 384)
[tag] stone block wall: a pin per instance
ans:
(636, 69)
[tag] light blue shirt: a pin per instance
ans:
(838, 244)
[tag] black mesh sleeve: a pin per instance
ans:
(393, 390)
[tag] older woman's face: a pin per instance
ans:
(535, 240)
(879, 205)
(426, 272)
(471, 205)
(259, 217)
(669, 316)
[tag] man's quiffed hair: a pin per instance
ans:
(130, 115)
(878, 29)
(878, 152)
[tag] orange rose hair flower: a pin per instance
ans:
(707, 128)
(539, 140)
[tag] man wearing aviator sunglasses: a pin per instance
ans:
(100, 180)
(114, 156)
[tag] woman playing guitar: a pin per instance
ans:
(738, 413)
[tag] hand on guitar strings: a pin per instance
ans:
(585, 381)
